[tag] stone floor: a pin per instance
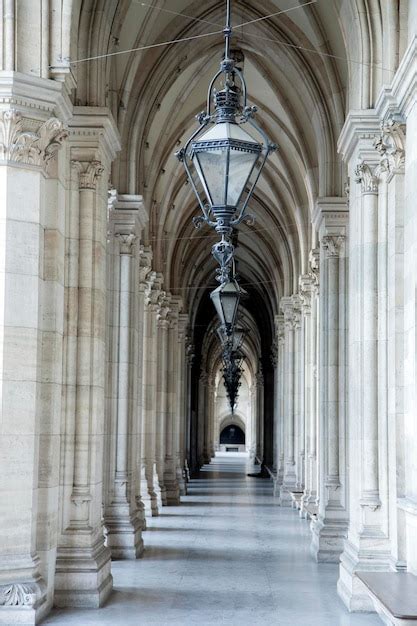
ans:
(228, 555)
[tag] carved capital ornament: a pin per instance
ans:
(24, 141)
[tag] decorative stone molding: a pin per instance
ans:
(314, 264)
(391, 145)
(19, 594)
(145, 265)
(333, 245)
(347, 190)
(367, 177)
(25, 141)
(307, 285)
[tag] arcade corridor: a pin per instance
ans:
(227, 555)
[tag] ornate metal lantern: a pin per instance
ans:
(223, 161)
(226, 300)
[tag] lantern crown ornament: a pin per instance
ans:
(222, 159)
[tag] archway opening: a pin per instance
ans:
(232, 438)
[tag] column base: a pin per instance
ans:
(159, 487)
(328, 538)
(182, 482)
(124, 533)
(83, 576)
(284, 498)
(350, 589)
(172, 489)
(148, 493)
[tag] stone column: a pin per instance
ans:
(306, 288)
(280, 330)
(162, 392)
(210, 452)
(309, 293)
(254, 417)
(123, 514)
(172, 412)
(83, 575)
(202, 417)
(144, 275)
(150, 344)
(190, 355)
(181, 404)
(274, 360)
(32, 224)
(330, 528)
(260, 415)
(299, 420)
(367, 546)
(291, 321)
(391, 147)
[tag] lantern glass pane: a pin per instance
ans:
(240, 167)
(230, 303)
(211, 168)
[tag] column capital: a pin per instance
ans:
(391, 145)
(307, 286)
(145, 265)
(291, 307)
(333, 245)
(28, 142)
(88, 172)
(367, 175)
(314, 264)
(126, 242)
(152, 290)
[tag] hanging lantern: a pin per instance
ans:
(226, 300)
(222, 159)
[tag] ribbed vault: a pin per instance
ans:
(299, 67)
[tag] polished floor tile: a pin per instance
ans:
(228, 555)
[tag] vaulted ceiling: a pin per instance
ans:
(301, 71)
